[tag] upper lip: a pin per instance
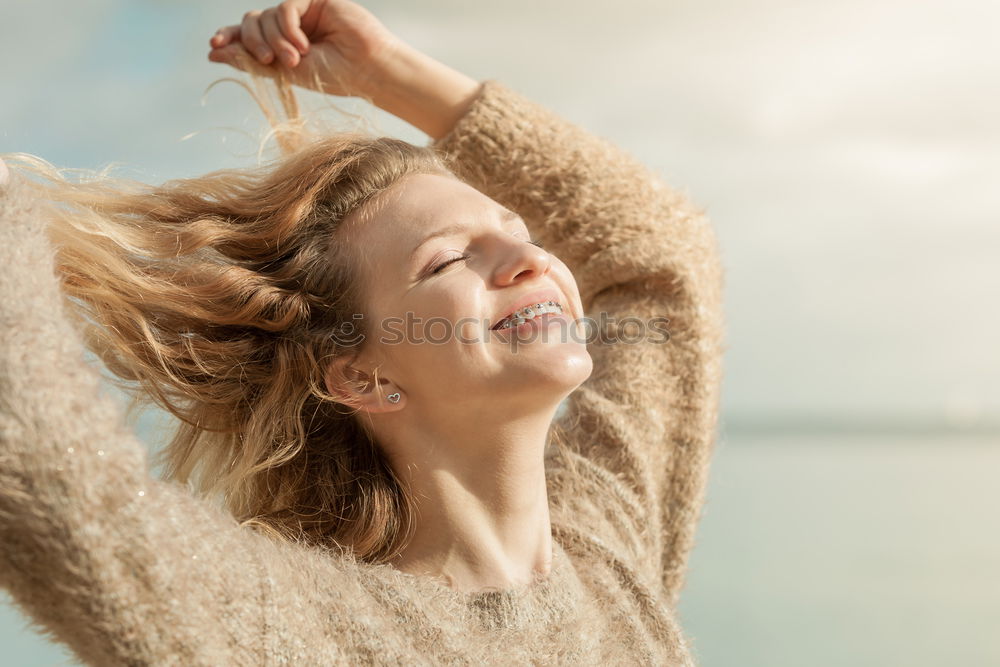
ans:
(530, 299)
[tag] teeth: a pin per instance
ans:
(521, 316)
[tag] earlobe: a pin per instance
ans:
(382, 398)
(360, 390)
(385, 401)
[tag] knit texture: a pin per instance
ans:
(124, 568)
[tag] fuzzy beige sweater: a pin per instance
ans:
(127, 569)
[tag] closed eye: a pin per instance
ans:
(441, 266)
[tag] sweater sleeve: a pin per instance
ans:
(643, 425)
(119, 566)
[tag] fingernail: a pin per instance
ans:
(287, 58)
(263, 54)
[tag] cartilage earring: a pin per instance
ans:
(393, 397)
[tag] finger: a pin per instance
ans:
(223, 54)
(218, 55)
(234, 54)
(252, 38)
(223, 36)
(238, 57)
(285, 50)
(290, 22)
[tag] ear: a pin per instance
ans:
(358, 389)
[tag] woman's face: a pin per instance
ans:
(441, 263)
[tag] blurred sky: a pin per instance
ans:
(847, 152)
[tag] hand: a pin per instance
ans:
(334, 46)
(4, 173)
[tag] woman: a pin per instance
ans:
(344, 336)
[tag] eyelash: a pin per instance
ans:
(444, 264)
(465, 256)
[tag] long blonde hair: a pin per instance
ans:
(219, 298)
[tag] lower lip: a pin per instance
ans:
(537, 323)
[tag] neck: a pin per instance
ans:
(482, 506)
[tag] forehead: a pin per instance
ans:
(418, 201)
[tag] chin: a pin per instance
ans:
(560, 369)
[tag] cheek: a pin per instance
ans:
(568, 282)
(446, 346)
(423, 336)
(472, 329)
(442, 314)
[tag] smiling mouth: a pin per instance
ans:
(519, 317)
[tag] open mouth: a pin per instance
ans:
(529, 312)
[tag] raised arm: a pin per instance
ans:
(638, 249)
(119, 566)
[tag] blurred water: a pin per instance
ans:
(835, 550)
(820, 550)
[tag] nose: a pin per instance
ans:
(521, 261)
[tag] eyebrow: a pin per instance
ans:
(506, 215)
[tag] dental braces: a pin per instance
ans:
(519, 317)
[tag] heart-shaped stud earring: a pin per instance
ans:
(393, 397)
